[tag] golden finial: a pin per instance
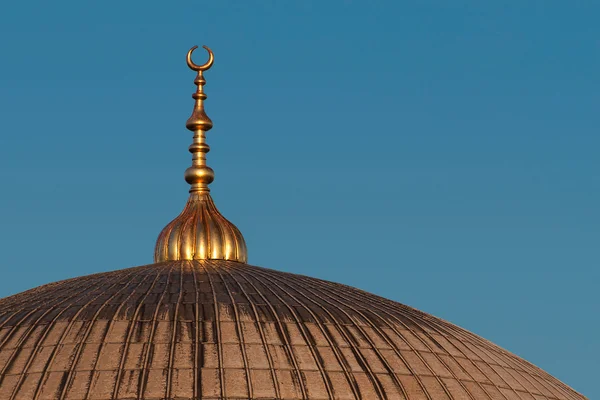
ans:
(203, 67)
(199, 175)
(200, 232)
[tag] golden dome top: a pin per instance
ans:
(200, 232)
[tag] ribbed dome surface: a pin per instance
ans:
(226, 330)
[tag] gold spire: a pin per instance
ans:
(200, 232)
(199, 175)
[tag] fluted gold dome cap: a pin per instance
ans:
(200, 232)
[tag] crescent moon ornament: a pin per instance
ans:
(203, 67)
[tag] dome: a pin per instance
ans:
(213, 329)
(201, 323)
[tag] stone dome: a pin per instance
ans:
(216, 329)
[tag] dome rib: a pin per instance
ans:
(171, 365)
(382, 359)
(422, 342)
(281, 332)
(88, 330)
(261, 332)
(351, 381)
(302, 330)
(412, 347)
(150, 343)
(391, 327)
(426, 345)
(43, 336)
(365, 364)
(218, 344)
(111, 322)
(423, 316)
(240, 332)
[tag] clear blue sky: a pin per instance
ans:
(441, 154)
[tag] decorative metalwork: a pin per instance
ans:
(200, 232)
(199, 175)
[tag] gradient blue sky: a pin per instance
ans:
(441, 154)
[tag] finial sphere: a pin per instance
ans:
(203, 67)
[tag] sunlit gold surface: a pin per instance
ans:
(199, 175)
(203, 67)
(200, 232)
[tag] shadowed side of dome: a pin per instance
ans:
(213, 329)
